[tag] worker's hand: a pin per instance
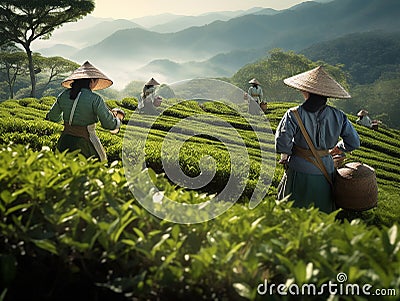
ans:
(120, 114)
(335, 151)
(284, 159)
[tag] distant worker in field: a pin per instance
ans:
(313, 125)
(148, 99)
(256, 93)
(80, 109)
(363, 119)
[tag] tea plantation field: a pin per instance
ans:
(71, 227)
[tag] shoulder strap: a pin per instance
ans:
(71, 115)
(319, 162)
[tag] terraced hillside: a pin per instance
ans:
(71, 228)
(22, 122)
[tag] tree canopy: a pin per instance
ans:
(12, 64)
(55, 69)
(23, 22)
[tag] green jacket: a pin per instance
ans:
(256, 93)
(90, 109)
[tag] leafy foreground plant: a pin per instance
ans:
(71, 229)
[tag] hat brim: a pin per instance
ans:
(317, 81)
(362, 113)
(88, 71)
(101, 83)
(152, 82)
(254, 81)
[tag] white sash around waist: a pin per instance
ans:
(96, 142)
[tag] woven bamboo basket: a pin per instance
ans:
(263, 106)
(157, 101)
(355, 187)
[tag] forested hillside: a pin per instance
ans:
(381, 98)
(372, 60)
(365, 56)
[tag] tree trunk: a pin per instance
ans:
(31, 70)
(11, 91)
(10, 84)
(10, 88)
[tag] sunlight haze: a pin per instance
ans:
(134, 9)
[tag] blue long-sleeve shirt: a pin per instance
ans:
(324, 128)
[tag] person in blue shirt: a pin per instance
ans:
(303, 182)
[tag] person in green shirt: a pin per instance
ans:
(256, 93)
(79, 108)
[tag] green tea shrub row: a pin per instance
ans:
(26, 125)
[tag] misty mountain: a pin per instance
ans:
(304, 5)
(291, 29)
(164, 23)
(66, 50)
(58, 38)
(221, 65)
(225, 46)
(260, 11)
(176, 72)
(91, 30)
(85, 22)
(182, 22)
(366, 56)
(154, 20)
(238, 13)
(93, 34)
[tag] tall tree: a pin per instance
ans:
(23, 22)
(53, 68)
(13, 63)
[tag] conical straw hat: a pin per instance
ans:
(254, 81)
(152, 82)
(317, 81)
(87, 70)
(362, 113)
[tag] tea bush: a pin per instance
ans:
(68, 224)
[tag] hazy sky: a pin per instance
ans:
(133, 8)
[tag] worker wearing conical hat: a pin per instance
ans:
(256, 96)
(80, 109)
(148, 97)
(363, 119)
(305, 182)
